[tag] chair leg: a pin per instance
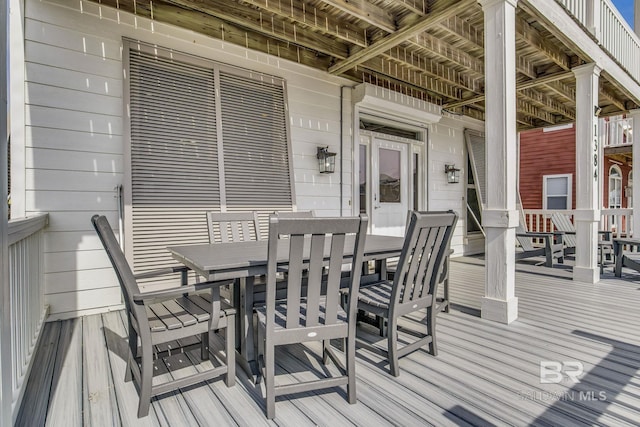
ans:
(325, 355)
(392, 346)
(204, 346)
(269, 380)
(230, 348)
(431, 330)
(146, 377)
(350, 346)
(133, 353)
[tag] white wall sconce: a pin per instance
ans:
(453, 174)
(326, 160)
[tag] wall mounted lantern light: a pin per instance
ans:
(326, 160)
(453, 174)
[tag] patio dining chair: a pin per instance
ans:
(318, 246)
(414, 286)
(226, 227)
(563, 223)
(167, 316)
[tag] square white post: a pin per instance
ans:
(6, 386)
(587, 213)
(635, 116)
(500, 216)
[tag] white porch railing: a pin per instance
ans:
(613, 33)
(26, 304)
(618, 221)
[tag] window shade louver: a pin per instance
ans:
(256, 158)
(175, 170)
(174, 157)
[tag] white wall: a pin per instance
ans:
(73, 144)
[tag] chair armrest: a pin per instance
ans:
(161, 272)
(537, 234)
(164, 294)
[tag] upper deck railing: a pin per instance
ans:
(616, 131)
(611, 30)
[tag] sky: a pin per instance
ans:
(625, 7)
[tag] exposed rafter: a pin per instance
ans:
(431, 49)
(397, 38)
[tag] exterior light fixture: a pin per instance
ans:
(326, 160)
(453, 174)
(597, 110)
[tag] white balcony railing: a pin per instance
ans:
(617, 131)
(610, 29)
(26, 303)
(618, 221)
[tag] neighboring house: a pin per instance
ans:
(548, 166)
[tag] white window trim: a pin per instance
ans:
(569, 189)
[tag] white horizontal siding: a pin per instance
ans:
(70, 281)
(74, 125)
(62, 139)
(69, 180)
(38, 158)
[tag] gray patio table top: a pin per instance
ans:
(246, 260)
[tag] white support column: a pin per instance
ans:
(635, 115)
(6, 395)
(500, 216)
(587, 213)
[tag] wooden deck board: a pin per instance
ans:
(485, 374)
(65, 403)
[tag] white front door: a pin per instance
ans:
(390, 187)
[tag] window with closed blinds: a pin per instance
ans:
(191, 152)
(254, 135)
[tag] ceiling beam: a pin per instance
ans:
(533, 38)
(414, 77)
(397, 37)
(366, 12)
(269, 25)
(314, 18)
(519, 86)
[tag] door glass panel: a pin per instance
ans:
(389, 176)
(363, 179)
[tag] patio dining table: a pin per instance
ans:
(243, 261)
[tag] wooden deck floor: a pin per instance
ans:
(485, 374)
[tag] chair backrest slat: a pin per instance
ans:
(225, 227)
(563, 223)
(294, 278)
(317, 246)
(426, 246)
(333, 278)
(314, 285)
(525, 242)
